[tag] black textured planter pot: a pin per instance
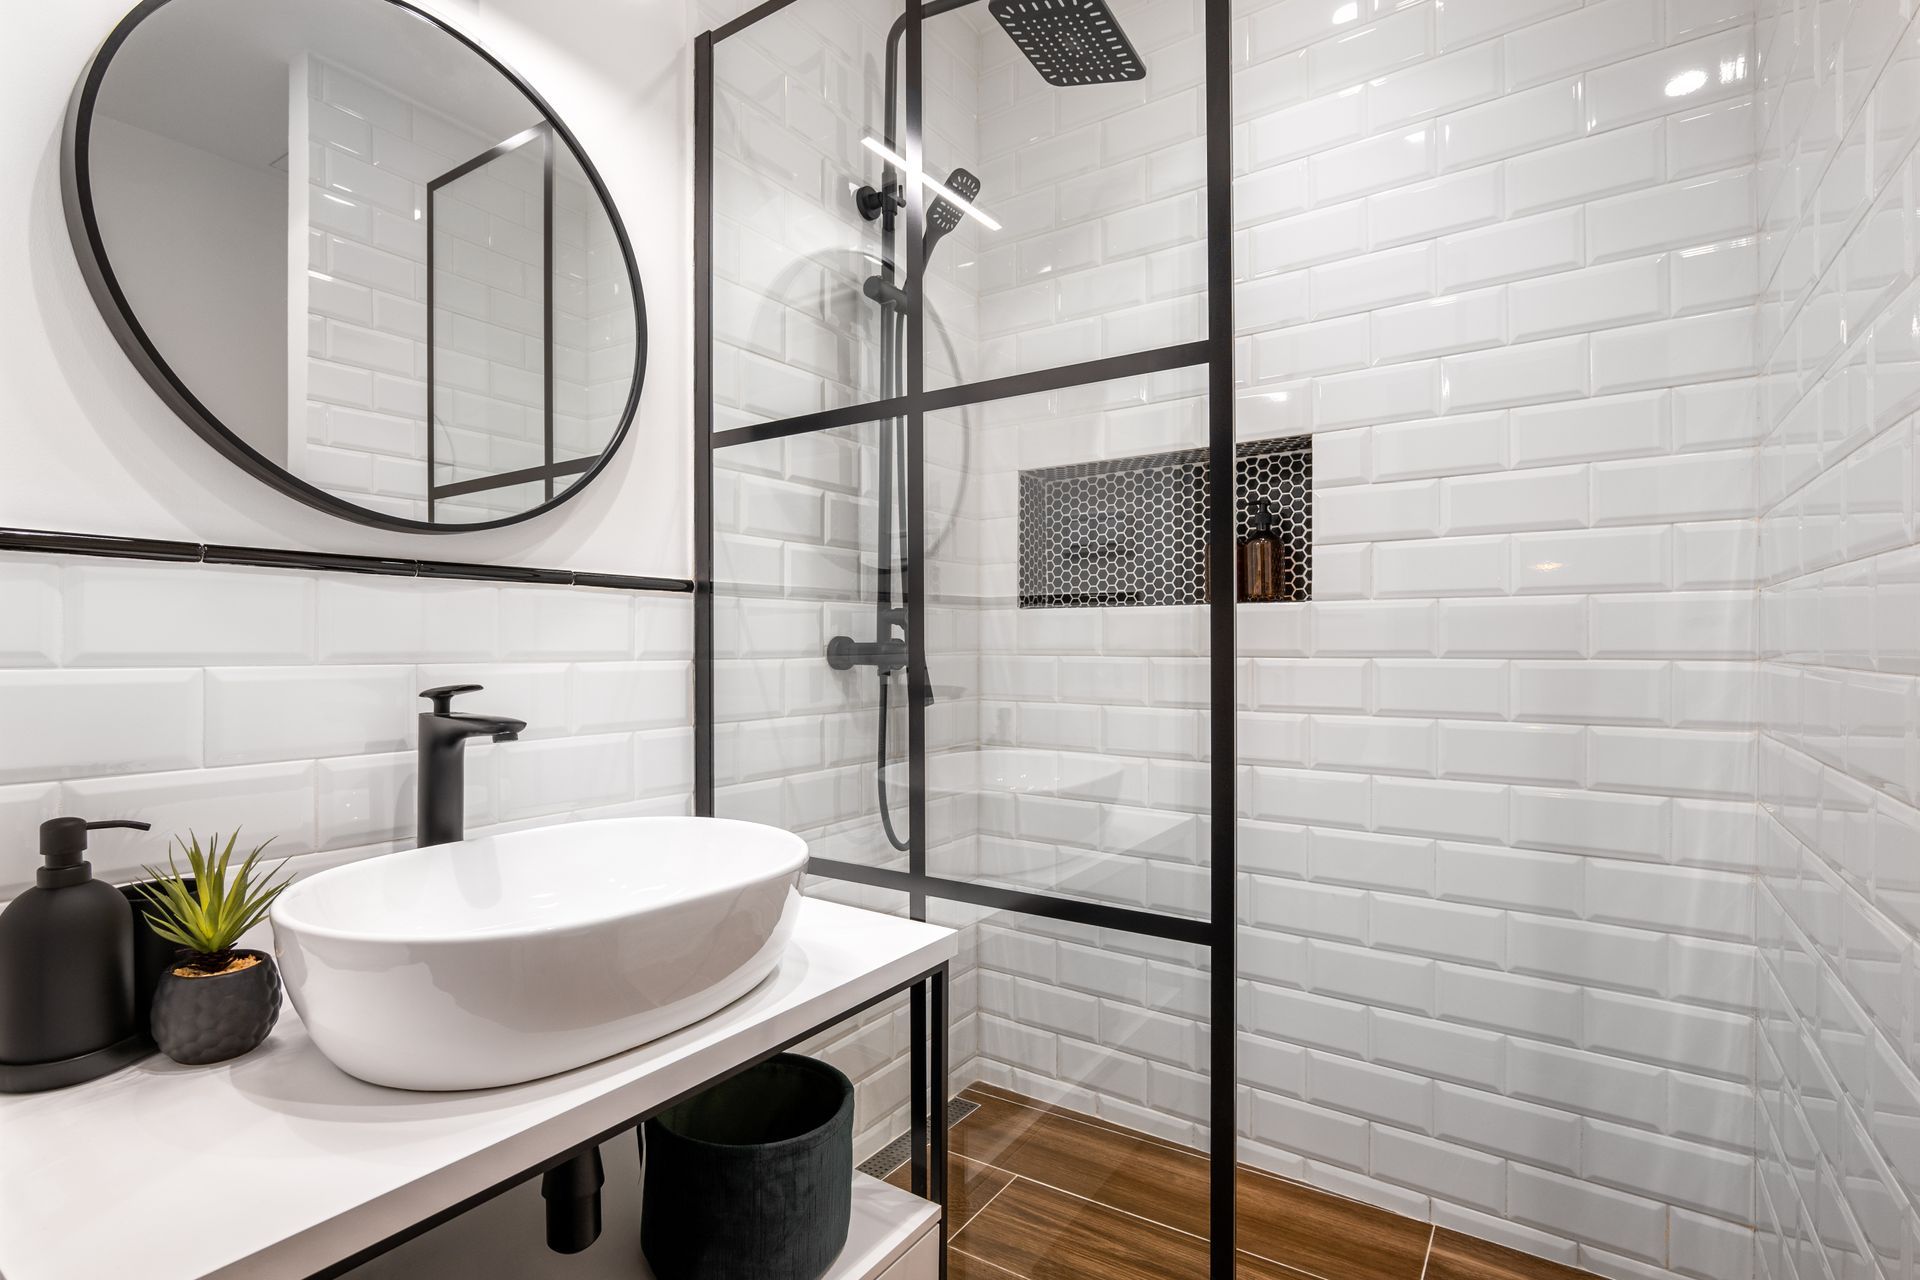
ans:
(197, 1021)
(753, 1178)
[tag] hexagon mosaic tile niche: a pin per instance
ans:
(1132, 531)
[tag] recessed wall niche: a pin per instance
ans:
(1132, 531)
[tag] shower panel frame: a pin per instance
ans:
(1218, 931)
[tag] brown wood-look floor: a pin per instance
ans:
(1041, 1193)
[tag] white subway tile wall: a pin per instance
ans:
(1498, 964)
(1498, 779)
(1836, 700)
(284, 702)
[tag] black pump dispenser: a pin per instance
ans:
(66, 969)
(63, 842)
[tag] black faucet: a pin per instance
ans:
(443, 760)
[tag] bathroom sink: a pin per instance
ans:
(495, 960)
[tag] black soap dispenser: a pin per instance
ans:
(66, 970)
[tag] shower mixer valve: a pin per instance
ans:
(887, 654)
(845, 653)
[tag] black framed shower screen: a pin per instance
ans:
(1216, 932)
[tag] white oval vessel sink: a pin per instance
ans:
(510, 957)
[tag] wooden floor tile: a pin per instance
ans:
(1458, 1257)
(1074, 1197)
(964, 1266)
(980, 1089)
(1039, 1233)
(969, 1187)
(1325, 1234)
(1287, 1223)
(1097, 1162)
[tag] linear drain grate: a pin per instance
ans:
(895, 1153)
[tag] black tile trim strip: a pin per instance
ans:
(49, 542)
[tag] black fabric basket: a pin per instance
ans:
(752, 1179)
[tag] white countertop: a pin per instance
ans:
(279, 1164)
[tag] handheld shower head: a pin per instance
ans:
(945, 215)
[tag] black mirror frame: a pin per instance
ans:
(76, 191)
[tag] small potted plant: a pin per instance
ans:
(215, 1001)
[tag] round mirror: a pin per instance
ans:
(358, 255)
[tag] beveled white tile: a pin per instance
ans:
(1601, 297)
(30, 609)
(1544, 498)
(100, 723)
(1424, 210)
(530, 779)
(1512, 250)
(1693, 349)
(1441, 567)
(1445, 83)
(1371, 51)
(1592, 560)
(1600, 33)
(366, 799)
(185, 615)
(1439, 326)
(547, 623)
(1464, 22)
(1678, 215)
(1692, 74)
(1528, 373)
(1602, 165)
(392, 620)
(1518, 122)
(301, 713)
(261, 801)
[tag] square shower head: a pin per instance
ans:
(1070, 42)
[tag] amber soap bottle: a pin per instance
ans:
(1260, 557)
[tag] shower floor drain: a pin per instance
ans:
(895, 1153)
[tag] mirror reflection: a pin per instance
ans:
(363, 251)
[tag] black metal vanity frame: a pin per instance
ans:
(1216, 932)
(929, 1097)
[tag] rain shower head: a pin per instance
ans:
(1070, 42)
(945, 215)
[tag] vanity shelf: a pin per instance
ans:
(894, 1237)
(320, 1172)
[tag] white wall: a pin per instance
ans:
(1840, 642)
(91, 448)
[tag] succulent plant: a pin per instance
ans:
(208, 909)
